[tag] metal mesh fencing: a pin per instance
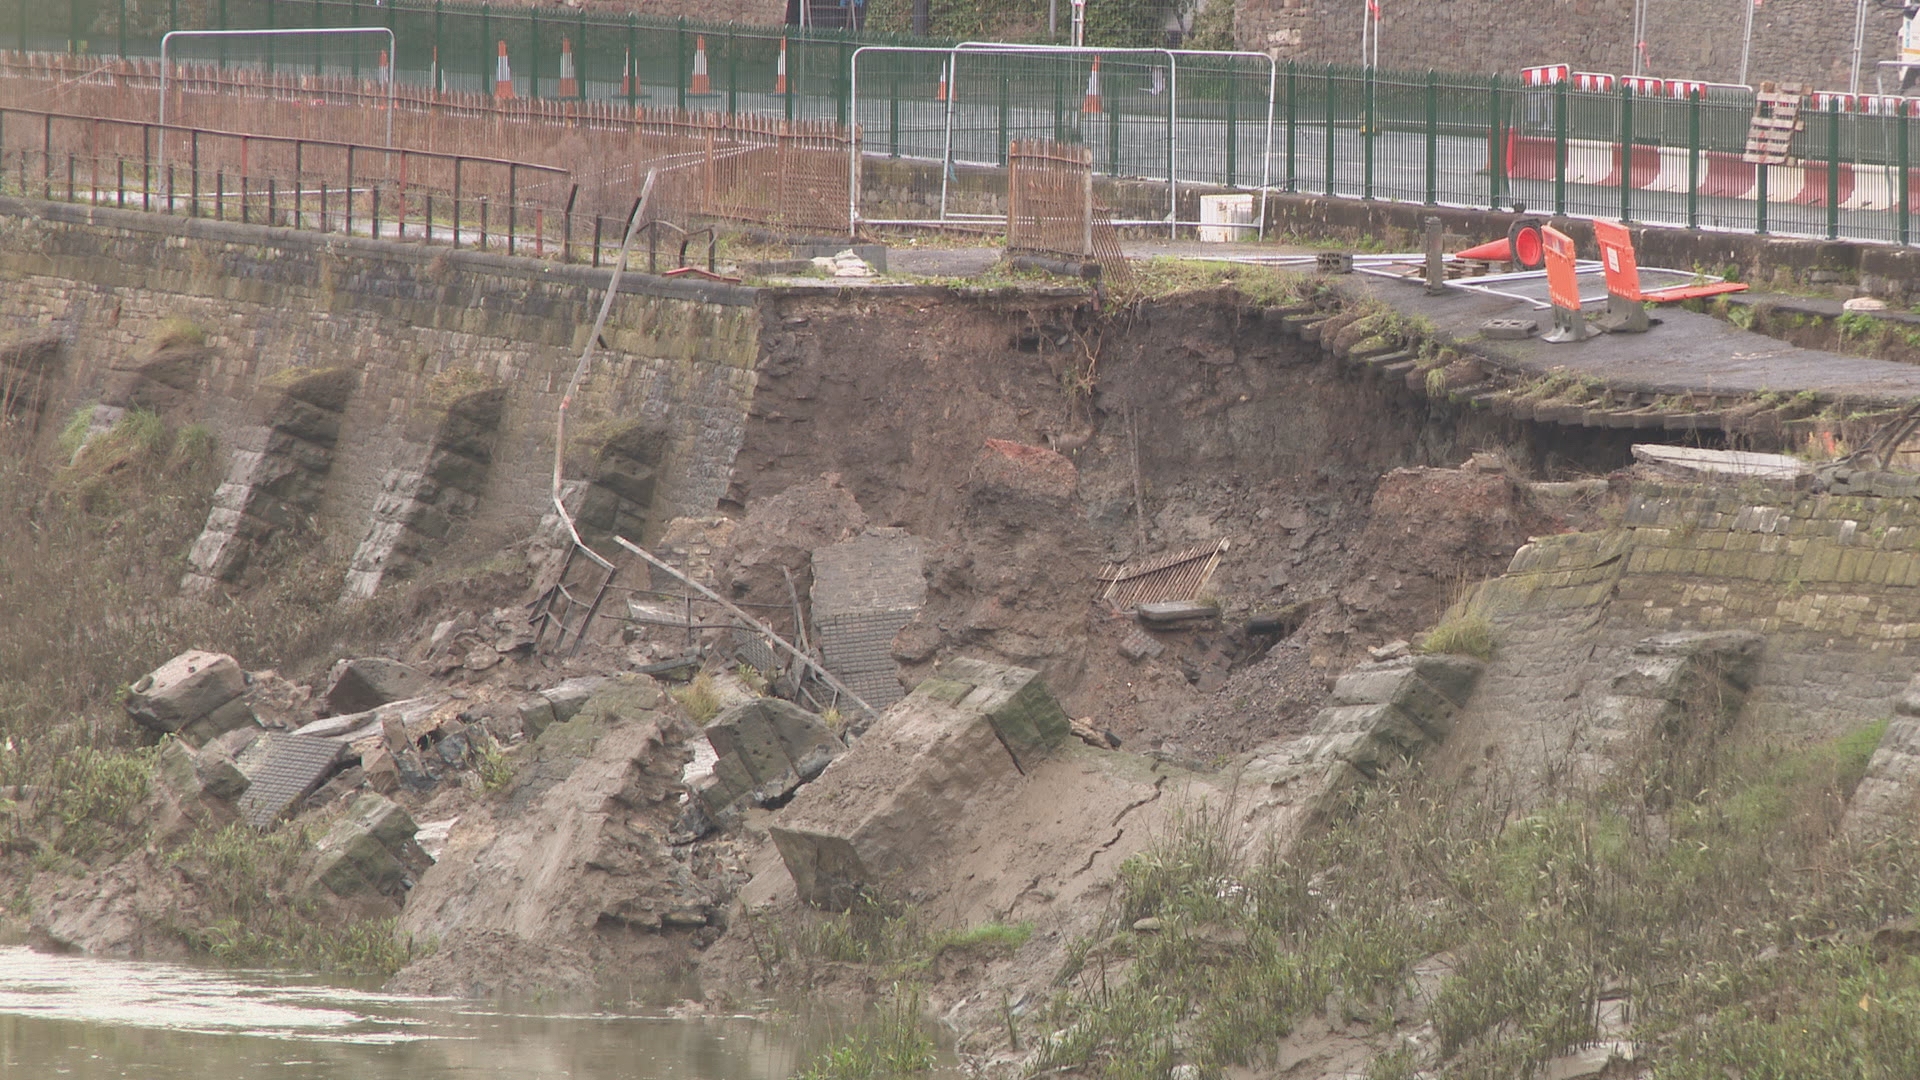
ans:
(1050, 198)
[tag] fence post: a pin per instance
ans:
(1903, 232)
(513, 206)
(733, 72)
(842, 81)
(893, 112)
(1760, 200)
(1693, 157)
(1005, 118)
(1113, 142)
(1433, 138)
(680, 63)
(456, 202)
(439, 39)
(533, 65)
(1496, 144)
(122, 24)
(1329, 140)
(631, 76)
(273, 21)
(1833, 167)
(1233, 125)
(1560, 148)
(486, 47)
(1293, 120)
(1626, 153)
(1366, 133)
(347, 196)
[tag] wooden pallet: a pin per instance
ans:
(1776, 117)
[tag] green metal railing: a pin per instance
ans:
(1422, 137)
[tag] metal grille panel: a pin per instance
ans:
(294, 766)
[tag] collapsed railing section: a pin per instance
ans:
(1051, 209)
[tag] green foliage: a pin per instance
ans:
(1467, 633)
(1736, 924)
(87, 800)
(1854, 324)
(893, 1042)
(701, 698)
(177, 333)
(258, 914)
(493, 764)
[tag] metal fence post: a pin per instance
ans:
(1366, 133)
(1433, 138)
(1293, 120)
(1233, 125)
(1760, 203)
(893, 112)
(1329, 140)
(631, 74)
(122, 25)
(533, 62)
(1693, 158)
(1560, 148)
(1833, 167)
(1626, 153)
(486, 47)
(439, 39)
(273, 21)
(842, 82)
(680, 63)
(1006, 119)
(1113, 142)
(733, 71)
(1903, 232)
(1496, 144)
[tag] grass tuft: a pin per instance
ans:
(701, 698)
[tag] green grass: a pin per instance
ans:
(255, 914)
(893, 1042)
(1737, 924)
(701, 698)
(1466, 633)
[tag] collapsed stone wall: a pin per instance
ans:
(1808, 41)
(1829, 584)
(415, 330)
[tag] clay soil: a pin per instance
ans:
(1013, 437)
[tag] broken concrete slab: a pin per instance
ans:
(1176, 613)
(197, 695)
(369, 682)
(1884, 801)
(898, 796)
(557, 704)
(1139, 645)
(193, 773)
(1695, 463)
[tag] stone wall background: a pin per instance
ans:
(413, 322)
(1808, 41)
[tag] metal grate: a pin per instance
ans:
(858, 649)
(293, 767)
(1050, 198)
(1178, 575)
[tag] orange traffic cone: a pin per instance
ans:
(569, 83)
(940, 92)
(780, 69)
(386, 69)
(628, 84)
(433, 71)
(700, 84)
(502, 75)
(1092, 104)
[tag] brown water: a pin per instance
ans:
(90, 1019)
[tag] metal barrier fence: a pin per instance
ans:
(453, 46)
(1169, 115)
(584, 157)
(1180, 119)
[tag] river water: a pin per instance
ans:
(90, 1019)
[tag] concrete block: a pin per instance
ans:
(370, 682)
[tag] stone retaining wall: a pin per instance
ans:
(416, 327)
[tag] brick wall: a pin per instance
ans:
(408, 319)
(1796, 40)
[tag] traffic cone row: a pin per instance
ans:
(699, 82)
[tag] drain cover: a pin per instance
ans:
(1509, 329)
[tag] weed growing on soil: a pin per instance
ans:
(701, 698)
(493, 764)
(246, 880)
(177, 333)
(1465, 630)
(1736, 923)
(892, 1042)
(90, 799)
(1158, 278)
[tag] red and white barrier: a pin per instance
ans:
(1544, 75)
(1685, 88)
(1722, 174)
(1641, 84)
(1593, 82)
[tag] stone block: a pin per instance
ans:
(567, 698)
(900, 795)
(371, 850)
(185, 689)
(370, 682)
(776, 744)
